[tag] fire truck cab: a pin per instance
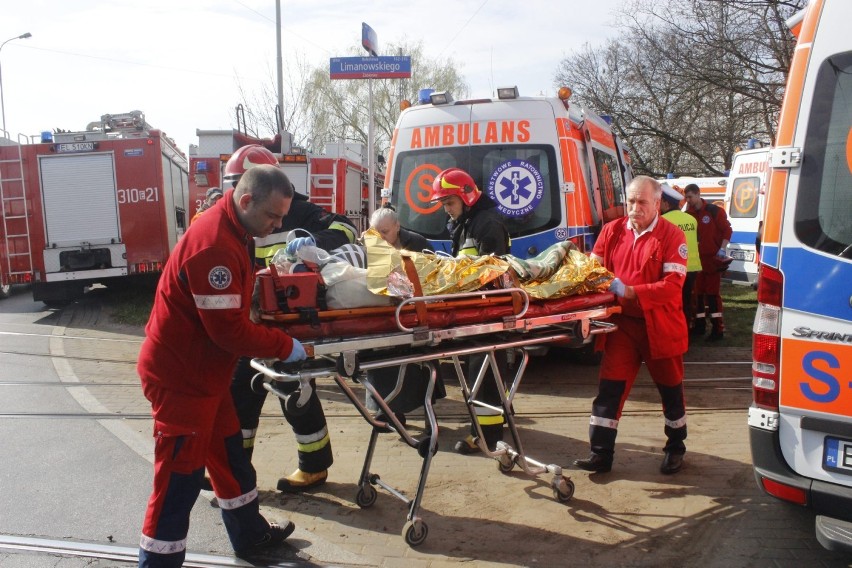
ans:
(800, 420)
(555, 170)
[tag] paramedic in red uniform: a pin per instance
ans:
(199, 325)
(714, 234)
(476, 228)
(647, 254)
(330, 232)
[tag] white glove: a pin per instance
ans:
(297, 353)
(617, 287)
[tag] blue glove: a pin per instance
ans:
(297, 354)
(617, 287)
(297, 243)
(722, 253)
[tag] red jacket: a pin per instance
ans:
(199, 324)
(713, 228)
(655, 265)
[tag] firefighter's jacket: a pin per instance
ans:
(199, 323)
(329, 230)
(480, 230)
(655, 265)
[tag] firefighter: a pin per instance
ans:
(714, 234)
(213, 195)
(199, 325)
(476, 228)
(327, 231)
(648, 256)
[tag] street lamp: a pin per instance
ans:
(2, 104)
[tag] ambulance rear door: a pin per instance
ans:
(814, 255)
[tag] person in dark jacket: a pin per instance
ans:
(327, 231)
(476, 228)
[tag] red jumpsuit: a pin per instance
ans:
(199, 325)
(651, 328)
(713, 229)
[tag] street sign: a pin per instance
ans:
(369, 39)
(383, 67)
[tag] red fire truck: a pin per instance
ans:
(90, 206)
(335, 180)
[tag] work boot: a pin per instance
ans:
(271, 538)
(672, 463)
(299, 481)
(699, 328)
(595, 463)
(467, 446)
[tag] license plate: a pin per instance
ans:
(837, 455)
(744, 255)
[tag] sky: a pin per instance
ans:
(181, 61)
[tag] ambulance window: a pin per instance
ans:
(609, 176)
(744, 193)
(823, 218)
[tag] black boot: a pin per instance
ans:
(595, 463)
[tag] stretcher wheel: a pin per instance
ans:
(415, 532)
(563, 490)
(291, 404)
(366, 496)
(505, 463)
(257, 384)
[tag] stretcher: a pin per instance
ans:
(344, 344)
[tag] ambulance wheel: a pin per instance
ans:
(291, 404)
(563, 490)
(366, 496)
(257, 384)
(505, 463)
(415, 532)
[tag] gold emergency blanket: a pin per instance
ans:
(559, 271)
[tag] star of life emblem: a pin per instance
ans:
(683, 251)
(219, 277)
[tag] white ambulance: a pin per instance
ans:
(744, 198)
(800, 421)
(555, 170)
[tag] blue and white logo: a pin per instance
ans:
(561, 234)
(219, 277)
(517, 187)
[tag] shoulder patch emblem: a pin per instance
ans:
(683, 251)
(705, 219)
(219, 277)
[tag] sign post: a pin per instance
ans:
(373, 67)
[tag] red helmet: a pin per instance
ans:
(245, 158)
(455, 181)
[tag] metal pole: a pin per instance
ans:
(2, 102)
(280, 67)
(371, 160)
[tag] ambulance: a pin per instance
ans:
(744, 198)
(800, 420)
(712, 189)
(556, 170)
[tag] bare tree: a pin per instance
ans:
(689, 81)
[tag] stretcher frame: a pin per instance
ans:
(349, 358)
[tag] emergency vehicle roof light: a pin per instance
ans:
(565, 93)
(423, 95)
(440, 98)
(507, 92)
